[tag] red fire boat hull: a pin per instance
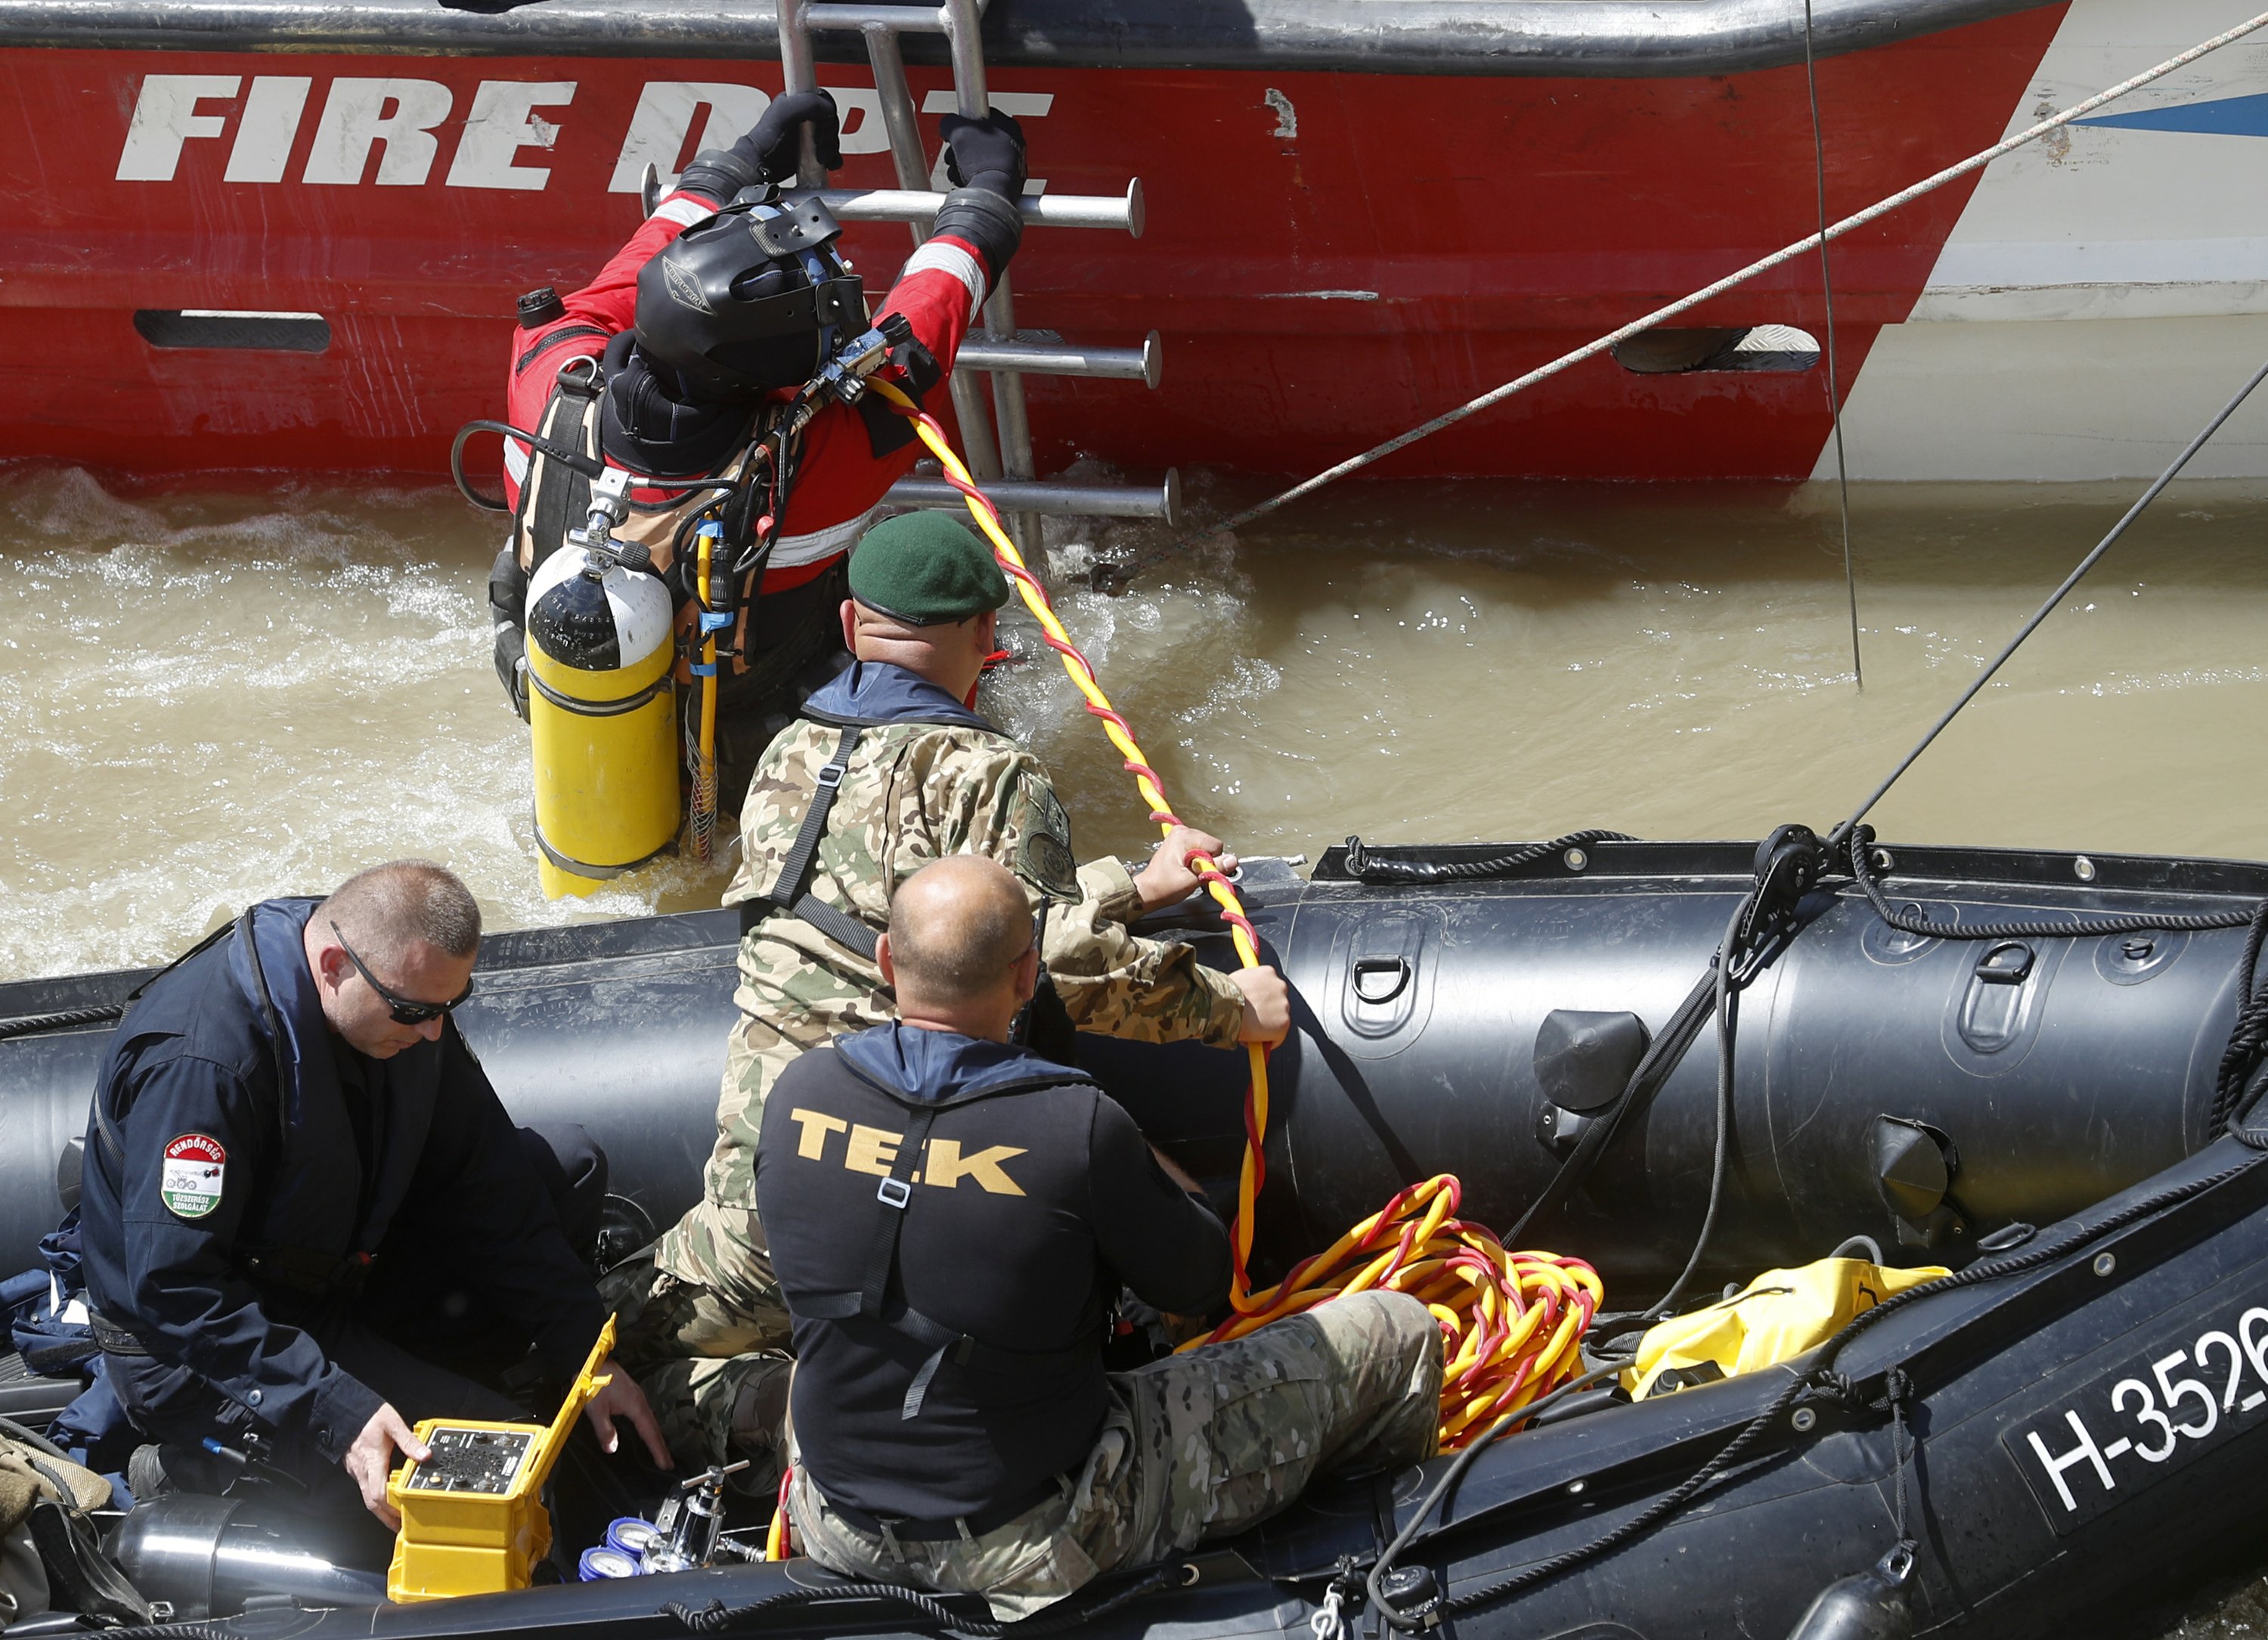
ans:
(1329, 257)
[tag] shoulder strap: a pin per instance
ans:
(561, 495)
(892, 1193)
(880, 1274)
(198, 950)
(275, 1032)
(105, 1128)
(790, 893)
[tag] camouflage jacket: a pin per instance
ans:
(916, 790)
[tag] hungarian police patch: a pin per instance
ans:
(190, 1184)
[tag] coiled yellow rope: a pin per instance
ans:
(1511, 1321)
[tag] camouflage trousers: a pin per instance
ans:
(1194, 1446)
(717, 1380)
(702, 1327)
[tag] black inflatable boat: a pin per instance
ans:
(2060, 1430)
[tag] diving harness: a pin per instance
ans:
(598, 677)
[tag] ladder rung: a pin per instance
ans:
(1053, 211)
(1046, 495)
(1042, 353)
(897, 19)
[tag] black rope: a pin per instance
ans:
(1365, 866)
(1737, 961)
(1721, 1157)
(1862, 868)
(2247, 1039)
(1457, 1472)
(1667, 1504)
(37, 1024)
(1898, 1390)
(1662, 1056)
(716, 1616)
(1821, 1375)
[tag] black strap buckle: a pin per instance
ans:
(894, 1192)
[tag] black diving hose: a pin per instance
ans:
(588, 466)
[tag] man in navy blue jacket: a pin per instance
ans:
(297, 1172)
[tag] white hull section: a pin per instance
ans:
(2106, 289)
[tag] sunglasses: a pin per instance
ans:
(405, 1010)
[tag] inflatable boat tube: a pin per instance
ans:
(1926, 1092)
(2074, 1419)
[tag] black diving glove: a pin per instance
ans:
(986, 154)
(770, 151)
(985, 160)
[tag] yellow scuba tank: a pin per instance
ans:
(603, 718)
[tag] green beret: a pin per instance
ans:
(925, 569)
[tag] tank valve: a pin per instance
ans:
(610, 508)
(691, 1521)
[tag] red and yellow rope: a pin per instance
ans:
(1511, 1321)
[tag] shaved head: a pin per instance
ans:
(958, 927)
(388, 909)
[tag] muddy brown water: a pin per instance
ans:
(214, 697)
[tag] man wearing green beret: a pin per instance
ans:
(889, 767)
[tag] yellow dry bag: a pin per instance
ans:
(1775, 1317)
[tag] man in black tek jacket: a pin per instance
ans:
(299, 1184)
(950, 1216)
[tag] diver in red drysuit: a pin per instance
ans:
(675, 364)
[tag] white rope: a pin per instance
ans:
(1810, 242)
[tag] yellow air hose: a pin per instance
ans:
(703, 826)
(1511, 1322)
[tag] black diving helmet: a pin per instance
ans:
(749, 300)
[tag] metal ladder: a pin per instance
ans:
(998, 351)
